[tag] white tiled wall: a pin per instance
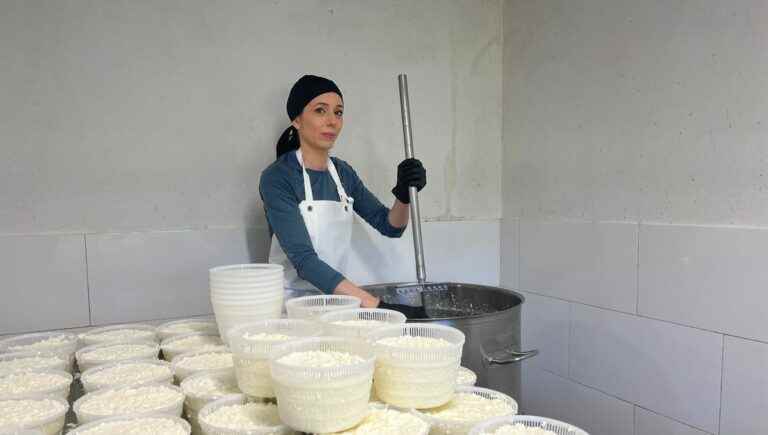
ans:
(650, 423)
(745, 388)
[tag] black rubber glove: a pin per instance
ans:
(410, 172)
(409, 311)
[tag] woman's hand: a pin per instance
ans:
(346, 287)
(410, 173)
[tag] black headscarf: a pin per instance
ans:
(303, 91)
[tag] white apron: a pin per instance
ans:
(329, 224)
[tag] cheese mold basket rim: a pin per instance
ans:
(236, 399)
(407, 354)
(550, 424)
(174, 409)
(165, 330)
(291, 374)
(88, 426)
(90, 386)
(315, 305)
(87, 337)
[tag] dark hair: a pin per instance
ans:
(302, 92)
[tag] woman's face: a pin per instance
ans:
(320, 123)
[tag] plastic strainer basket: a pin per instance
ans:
(558, 427)
(62, 343)
(196, 398)
(50, 425)
(10, 362)
(60, 389)
(465, 377)
(137, 422)
(359, 322)
(252, 343)
(413, 425)
(163, 375)
(195, 341)
(139, 332)
(442, 425)
(173, 407)
(308, 307)
(269, 411)
(100, 354)
(182, 370)
(417, 376)
(186, 326)
(323, 399)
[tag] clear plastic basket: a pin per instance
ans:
(251, 355)
(424, 426)
(323, 399)
(186, 326)
(52, 425)
(173, 408)
(361, 321)
(86, 360)
(237, 399)
(61, 390)
(445, 426)
(149, 333)
(195, 400)
(308, 307)
(90, 385)
(36, 360)
(182, 372)
(417, 377)
(173, 347)
(35, 343)
(183, 425)
(558, 427)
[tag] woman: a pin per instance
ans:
(310, 197)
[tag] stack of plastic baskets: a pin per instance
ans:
(251, 345)
(359, 322)
(246, 293)
(417, 376)
(319, 399)
(557, 427)
(312, 307)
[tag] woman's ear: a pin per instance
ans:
(295, 123)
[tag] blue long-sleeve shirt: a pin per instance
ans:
(282, 189)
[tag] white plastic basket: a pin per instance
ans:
(251, 355)
(90, 385)
(66, 343)
(52, 425)
(34, 361)
(182, 372)
(174, 346)
(558, 427)
(60, 390)
(183, 425)
(173, 408)
(323, 399)
(86, 360)
(446, 426)
(367, 426)
(417, 377)
(359, 322)
(195, 400)
(147, 333)
(237, 399)
(308, 307)
(186, 326)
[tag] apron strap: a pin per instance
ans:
(334, 176)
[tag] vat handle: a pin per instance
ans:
(506, 356)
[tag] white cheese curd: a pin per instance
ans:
(120, 335)
(26, 412)
(465, 377)
(317, 358)
(137, 426)
(519, 429)
(43, 345)
(32, 362)
(205, 361)
(30, 382)
(172, 347)
(388, 422)
(126, 373)
(126, 401)
(413, 342)
(209, 385)
(249, 416)
(470, 407)
(117, 352)
(266, 336)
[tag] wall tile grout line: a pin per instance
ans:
(722, 382)
(87, 279)
(637, 270)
